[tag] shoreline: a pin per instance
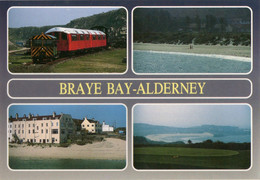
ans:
(110, 149)
(228, 57)
(230, 50)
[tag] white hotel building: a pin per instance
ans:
(41, 129)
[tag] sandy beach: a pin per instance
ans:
(230, 50)
(110, 148)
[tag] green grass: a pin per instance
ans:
(190, 158)
(109, 61)
(178, 151)
(242, 51)
(106, 61)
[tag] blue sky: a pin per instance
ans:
(22, 17)
(193, 115)
(108, 113)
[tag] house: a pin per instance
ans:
(42, 129)
(91, 125)
(107, 128)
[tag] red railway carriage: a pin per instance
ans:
(70, 39)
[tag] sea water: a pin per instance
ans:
(198, 137)
(165, 62)
(38, 163)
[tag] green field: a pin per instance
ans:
(242, 51)
(106, 61)
(190, 158)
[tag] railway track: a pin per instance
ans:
(62, 59)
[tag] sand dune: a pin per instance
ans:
(109, 149)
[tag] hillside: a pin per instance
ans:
(114, 20)
(210, 26)
(141, 129)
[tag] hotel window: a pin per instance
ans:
(34, 140)
(54, 131)
(47, 140)
(19, 126)
(33, 125)
(92, 125)
(22, 125)
(88, 125)
(33, 131)
(29, 131)
(40, 140)
(29, 125)
(37, 127)
(18, 131)
(46, 131)
(57, 123)
(42, 131)
(23, 131)
(42, 124)
(83, 125)
(46, 124)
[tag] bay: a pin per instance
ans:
(164, 62)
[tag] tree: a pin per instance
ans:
(189, 141)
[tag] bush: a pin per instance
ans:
(64, 145)
(81, 143)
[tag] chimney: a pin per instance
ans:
(16, 116)
(54, 114)
(24, 115)
(30, 115)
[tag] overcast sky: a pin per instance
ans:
(193, 115)
(108, 113)
(22, 17)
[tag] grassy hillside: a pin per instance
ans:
(115, 20)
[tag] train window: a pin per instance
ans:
(81, 37)
(87, 36)
(56, 34)
(63, 36)
(94, 37)
(104, 36)
(74, 37)
(99, 37)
